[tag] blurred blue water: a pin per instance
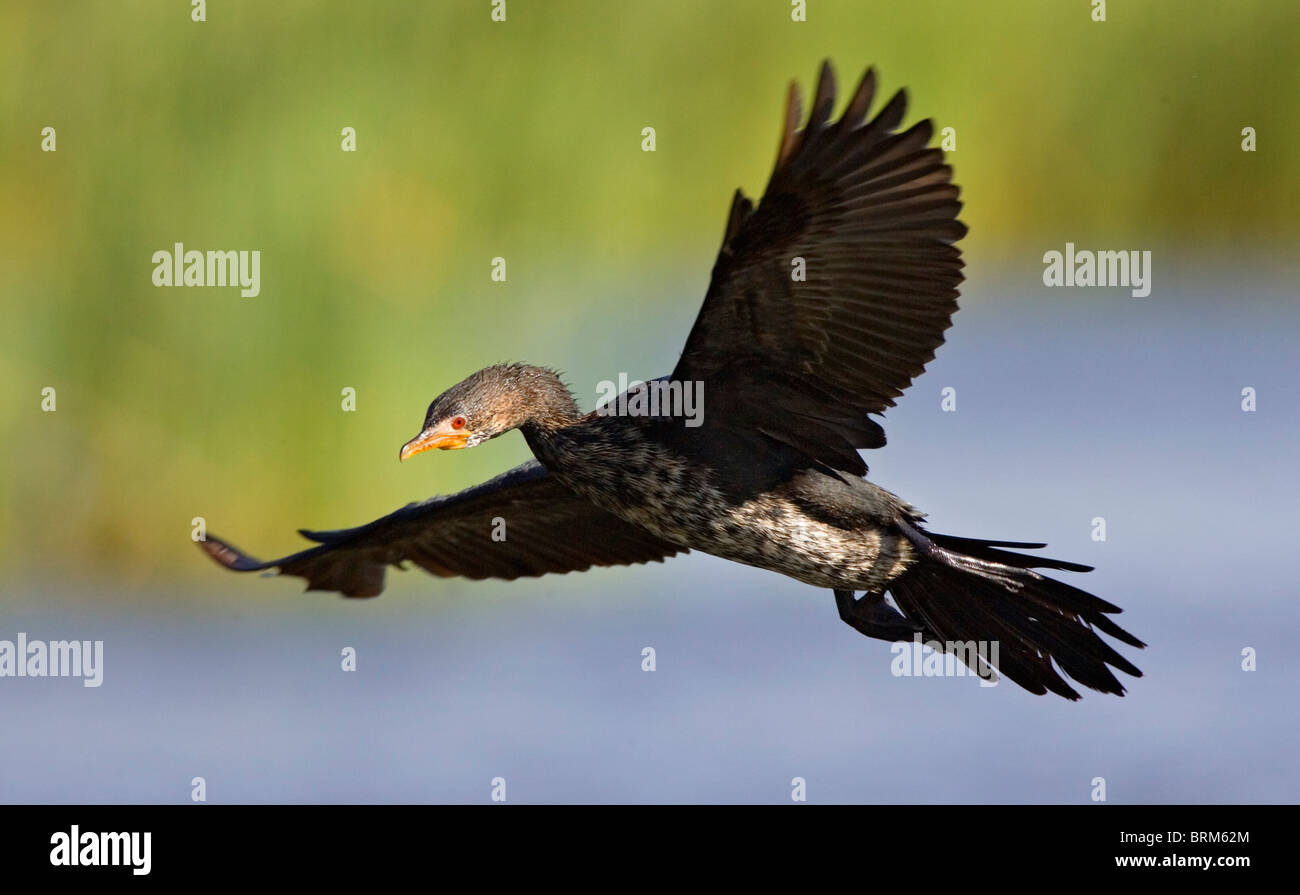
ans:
(1071, 405)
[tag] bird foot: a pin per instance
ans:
(872, 616)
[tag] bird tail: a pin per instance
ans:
(966, 589)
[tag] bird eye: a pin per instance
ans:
(458, 423)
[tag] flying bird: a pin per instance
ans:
(770, 474)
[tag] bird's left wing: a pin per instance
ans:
(831, 296)
(547, 528)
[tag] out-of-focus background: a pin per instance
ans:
(523, 140)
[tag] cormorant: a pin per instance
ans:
(770, 476)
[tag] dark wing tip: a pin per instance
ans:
(891, 116)
(790, 127)
(322, 537)
(230, 557)
(860, 104)
(823, 104)
(824, 98)
(741, 208)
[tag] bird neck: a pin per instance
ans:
(550, 404)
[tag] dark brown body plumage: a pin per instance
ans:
(758, 504)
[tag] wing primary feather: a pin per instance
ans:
(790, 130)
(824, 103)
(860, 104)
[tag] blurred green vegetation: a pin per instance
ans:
(520, 140)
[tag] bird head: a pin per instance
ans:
(493, 401)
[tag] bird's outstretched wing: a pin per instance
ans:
(548, 528)
(830, 298)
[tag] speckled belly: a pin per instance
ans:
(770, 531)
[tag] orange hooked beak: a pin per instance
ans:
(441, 436)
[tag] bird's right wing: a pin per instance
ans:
(832, 295)
(547, 528)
